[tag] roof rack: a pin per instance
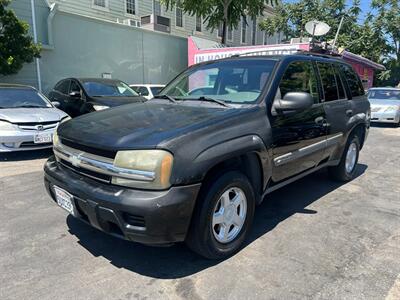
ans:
(325, 55)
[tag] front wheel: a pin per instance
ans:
(346, 169)
(223, 216)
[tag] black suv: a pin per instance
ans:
(193, 164)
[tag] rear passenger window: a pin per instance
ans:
(299, 77)
(328, 79)
(353, 81)
(63, 87)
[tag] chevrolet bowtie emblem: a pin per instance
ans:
(75, 160)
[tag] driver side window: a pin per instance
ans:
(299, 76)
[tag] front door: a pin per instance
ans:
(299, 138)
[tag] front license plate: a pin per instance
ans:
(42, 138)
(64, 199)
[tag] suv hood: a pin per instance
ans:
(116, 101)
(384, 102)
(141, 126)
(31, 115)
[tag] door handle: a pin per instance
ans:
(349, 112)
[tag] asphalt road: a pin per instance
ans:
(315, 239)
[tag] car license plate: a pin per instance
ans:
(42, 138)
(65, 200)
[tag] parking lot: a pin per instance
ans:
(315, 239)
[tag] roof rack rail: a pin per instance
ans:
(325, 55)
(255, 53)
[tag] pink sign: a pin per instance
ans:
(197, 55)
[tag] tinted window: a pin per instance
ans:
(234, 81)
(108, 88)
(15, 97)
(339, 81)
(143, 91)
(328, 81)
(353, 81)
(75, 87)
(63, 87)
(299, 77)
(155, 90)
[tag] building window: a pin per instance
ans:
(243, 38)
(199, 23)
(220, 30)
(100, 4)
(156, 8)
(179, 17)
(130, 7)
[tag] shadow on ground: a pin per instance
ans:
(178, 261)
(384, 125)
(26, 155)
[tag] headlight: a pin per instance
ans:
(152, 167)
(56, 140)
(100, 107)
(391, 108)
(6, 126)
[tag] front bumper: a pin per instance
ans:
(385, 117)
(20, 140)
(148, 217)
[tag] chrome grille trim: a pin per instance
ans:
(38, 127)
(100, 164)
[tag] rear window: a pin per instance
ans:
(353, 81)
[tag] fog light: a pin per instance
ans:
(9, 145)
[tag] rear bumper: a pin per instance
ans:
(148, 217)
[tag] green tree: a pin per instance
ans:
(386, 20)
(16, 45)
(214, 12)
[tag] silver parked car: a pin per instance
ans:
(27, 119)
(385, 105)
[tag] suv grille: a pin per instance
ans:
(88, 149)
(88, 173)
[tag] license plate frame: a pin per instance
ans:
(43, 138)
(64, 199)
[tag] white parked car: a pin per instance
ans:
(385, 105)
(27, 119)
(147, 91)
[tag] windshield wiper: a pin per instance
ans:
(209, 99)
(171, 99)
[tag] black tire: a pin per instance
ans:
(339, 172)
(200, 237)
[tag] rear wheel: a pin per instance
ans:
(346, 169)
(223, 216)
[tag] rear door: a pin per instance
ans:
(299, 138)
(336, 104)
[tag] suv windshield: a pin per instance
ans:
(232, 81)
(113, 89)
(22, 97)
(384, 94)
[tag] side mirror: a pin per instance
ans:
(293, 102)
(76, 95)
(55, 103)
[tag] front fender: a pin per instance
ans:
(218, 153)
